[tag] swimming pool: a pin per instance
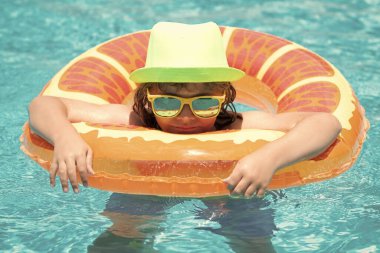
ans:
(340, 215)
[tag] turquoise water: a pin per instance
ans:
(37, 38)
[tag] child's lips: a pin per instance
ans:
(186, 129)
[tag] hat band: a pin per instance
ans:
(180, 75)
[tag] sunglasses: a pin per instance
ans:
(167, 106)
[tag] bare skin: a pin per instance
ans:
(50, 117)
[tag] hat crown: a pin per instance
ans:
(177, 45)
(185, 53)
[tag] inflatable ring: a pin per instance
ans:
(281, 76)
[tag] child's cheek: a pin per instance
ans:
(208, 124)
(164, 124)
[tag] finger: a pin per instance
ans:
(261, 192)
(52, 172)
(72, 173)
(250, 192)
(81, 165)
(62, 173)
(229, 186)
(89, 161)
(233, 180)
(241, 187)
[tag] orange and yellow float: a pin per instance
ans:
(281, 76)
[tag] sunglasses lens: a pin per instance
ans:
(206, 107)
(166, 106)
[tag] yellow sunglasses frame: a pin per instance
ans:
(187, 101)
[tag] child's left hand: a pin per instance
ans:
(252, 174)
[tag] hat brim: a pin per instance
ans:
(182, 75)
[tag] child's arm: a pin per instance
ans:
(51, 117)
(309, 134)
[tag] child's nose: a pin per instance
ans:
(186, 112)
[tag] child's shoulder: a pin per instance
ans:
(254, 119)
(248, 119)
(100, 113)
(274, 121)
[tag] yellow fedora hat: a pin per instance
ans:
(185, 53)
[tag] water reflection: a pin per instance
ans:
(149, 224)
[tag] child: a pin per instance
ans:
(182, 66)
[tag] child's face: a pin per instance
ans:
(186, 122)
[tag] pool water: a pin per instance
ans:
(38, 38)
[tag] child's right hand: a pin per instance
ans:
(71, 154)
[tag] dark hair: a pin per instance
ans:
(142, 106)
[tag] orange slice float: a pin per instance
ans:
(281, 76)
